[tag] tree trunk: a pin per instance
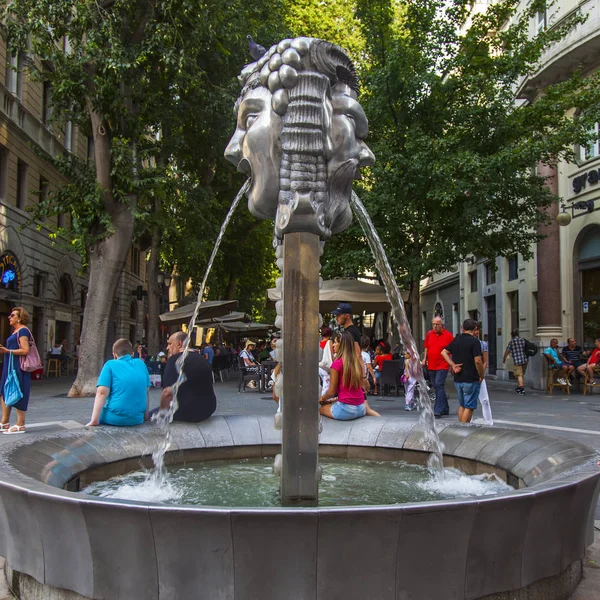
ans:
(414, 297)
(107, 259)
(231, 287)
(153, 295)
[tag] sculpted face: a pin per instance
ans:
(303, 90)
(349, 128)
(255, 149)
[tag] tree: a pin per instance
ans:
(120, 67)
(456, 154)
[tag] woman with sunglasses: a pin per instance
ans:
(346, 383)
(18, 344)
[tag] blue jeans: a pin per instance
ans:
(468, 393)
(348, 412)
(438, 380)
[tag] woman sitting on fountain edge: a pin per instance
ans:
(346, 384)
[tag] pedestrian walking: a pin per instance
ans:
(484, 397)
(516, 348)
(463, 354)
(435, 341)
(17, 344)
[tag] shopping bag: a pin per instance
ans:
(12, 388)
(32, 361)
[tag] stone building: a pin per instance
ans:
(557, 293)
(37, 272)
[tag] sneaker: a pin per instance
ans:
(569, 382)
(561, 381)
(592, 382)
(521, 392)
(408, 407)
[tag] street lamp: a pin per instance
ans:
(564, 218)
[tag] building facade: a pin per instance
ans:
(37, 272)
(556, 294)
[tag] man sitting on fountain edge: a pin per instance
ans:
(196, 396)
(122, 394)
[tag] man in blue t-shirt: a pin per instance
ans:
(209, 354)
(122, 393)
(565, 369)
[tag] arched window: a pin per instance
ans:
(65, 290)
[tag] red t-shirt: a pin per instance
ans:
(595, 357)
(379, 358)
(323, 343)
(435, 344)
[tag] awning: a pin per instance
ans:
(208, 310)
(364, 297)
(246, 328)
(232, 316)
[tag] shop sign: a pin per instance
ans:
(10, 272)
(592, 177)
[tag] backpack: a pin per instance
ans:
(531, 349)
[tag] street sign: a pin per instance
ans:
(586, 307)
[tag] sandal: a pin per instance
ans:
(4, 426)
(14, 429)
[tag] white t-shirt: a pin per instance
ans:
(367, 360)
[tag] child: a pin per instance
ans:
(365, 342)
(409, 381)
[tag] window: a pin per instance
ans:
(43, 195)
(60, 219)
(473, 281)
(133, 310)
(14, 75)
(513, 267)
(490, 273)
(84, 292)
(540, 21)
(513, 301)
(39, 285)
(593, 149)
(21, 184)
(3, 172)
(66, 290)
(69, 136)
(46, 102)
(135, 261)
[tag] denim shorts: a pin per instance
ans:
(468, 393)
(346, 412)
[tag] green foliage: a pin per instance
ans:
(331, 20)
(161, 77)
(455, 172)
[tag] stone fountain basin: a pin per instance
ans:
(532, 538)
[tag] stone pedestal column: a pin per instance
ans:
(549, 317)
(300, 434)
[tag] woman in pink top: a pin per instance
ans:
(346, 383)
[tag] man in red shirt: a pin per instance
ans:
(435, 341)
(587, 370)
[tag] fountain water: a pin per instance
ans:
(427, 418)
(164, 417)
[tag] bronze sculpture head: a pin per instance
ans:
(300, 136)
